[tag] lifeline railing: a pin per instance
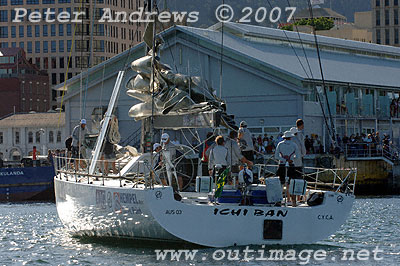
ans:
(336, 179)
(67, 166)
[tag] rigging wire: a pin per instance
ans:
(312, 76)
(68, 64)
(222, 55)
(332, 129)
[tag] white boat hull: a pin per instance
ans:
(153, 214)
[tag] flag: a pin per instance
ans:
(221, 182)
(317, 2)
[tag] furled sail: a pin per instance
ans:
(174, 93)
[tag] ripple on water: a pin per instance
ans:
(32, 234)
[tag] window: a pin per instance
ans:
(387, 36)
(13, 31)
(396, 2)
(58, 136)
(51, 136)
(3, 15)
(387, 17)
(45, 63)
(396, 36)
(37, 63)
(32, 2)
(53, 46)
(29, 49)
(378, 36)
(1, 138)
(62, 77)
(61, 46)
(21, 45)
(45, 33)
(17, 2)
(16, 137)
(21, 31)
(69, 44)
(53, 62)
(61, 63)
(37, 31)
(3, 32)
(3, 2)
(69, 75)
(378, 18)
(69, 31)
(37, 46)
(13, 44)
(53, 30)
(45, 47)
(60, 29)
(37, 137)
(49, 1)
(54, 81)
(29, 31)
(64, 1)
(30, 137)
(387, 3)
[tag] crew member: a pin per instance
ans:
(246, 141)
(169, 156)
(218, 160)
(78, 135)
(205, 152)
(157, 163)
(286, 152)
(235, 157)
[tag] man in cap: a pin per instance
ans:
(246, 141)
(157, 163)
(286, 152)
(169, 156)
(78, 136)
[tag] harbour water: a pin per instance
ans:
(31, 234)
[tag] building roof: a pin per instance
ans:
(282, 53)
(10, 51)
(34, 120)
(317, 13)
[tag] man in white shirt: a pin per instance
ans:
(169, 156)
(286, 152)
(218, 157)
(235, 157)
(246, 141)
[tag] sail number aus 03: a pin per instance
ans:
(173, 212)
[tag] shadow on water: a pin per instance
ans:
(151, 244)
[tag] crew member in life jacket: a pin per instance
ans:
(246, 141)
(205, 152)
(287, 152)
(218, 159)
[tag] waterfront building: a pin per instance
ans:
(385, 22)
(23, 87)
(20, 132)
(270, 79)
(48, 45)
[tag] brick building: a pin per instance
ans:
(23, 87)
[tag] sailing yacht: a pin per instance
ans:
(133, 203)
